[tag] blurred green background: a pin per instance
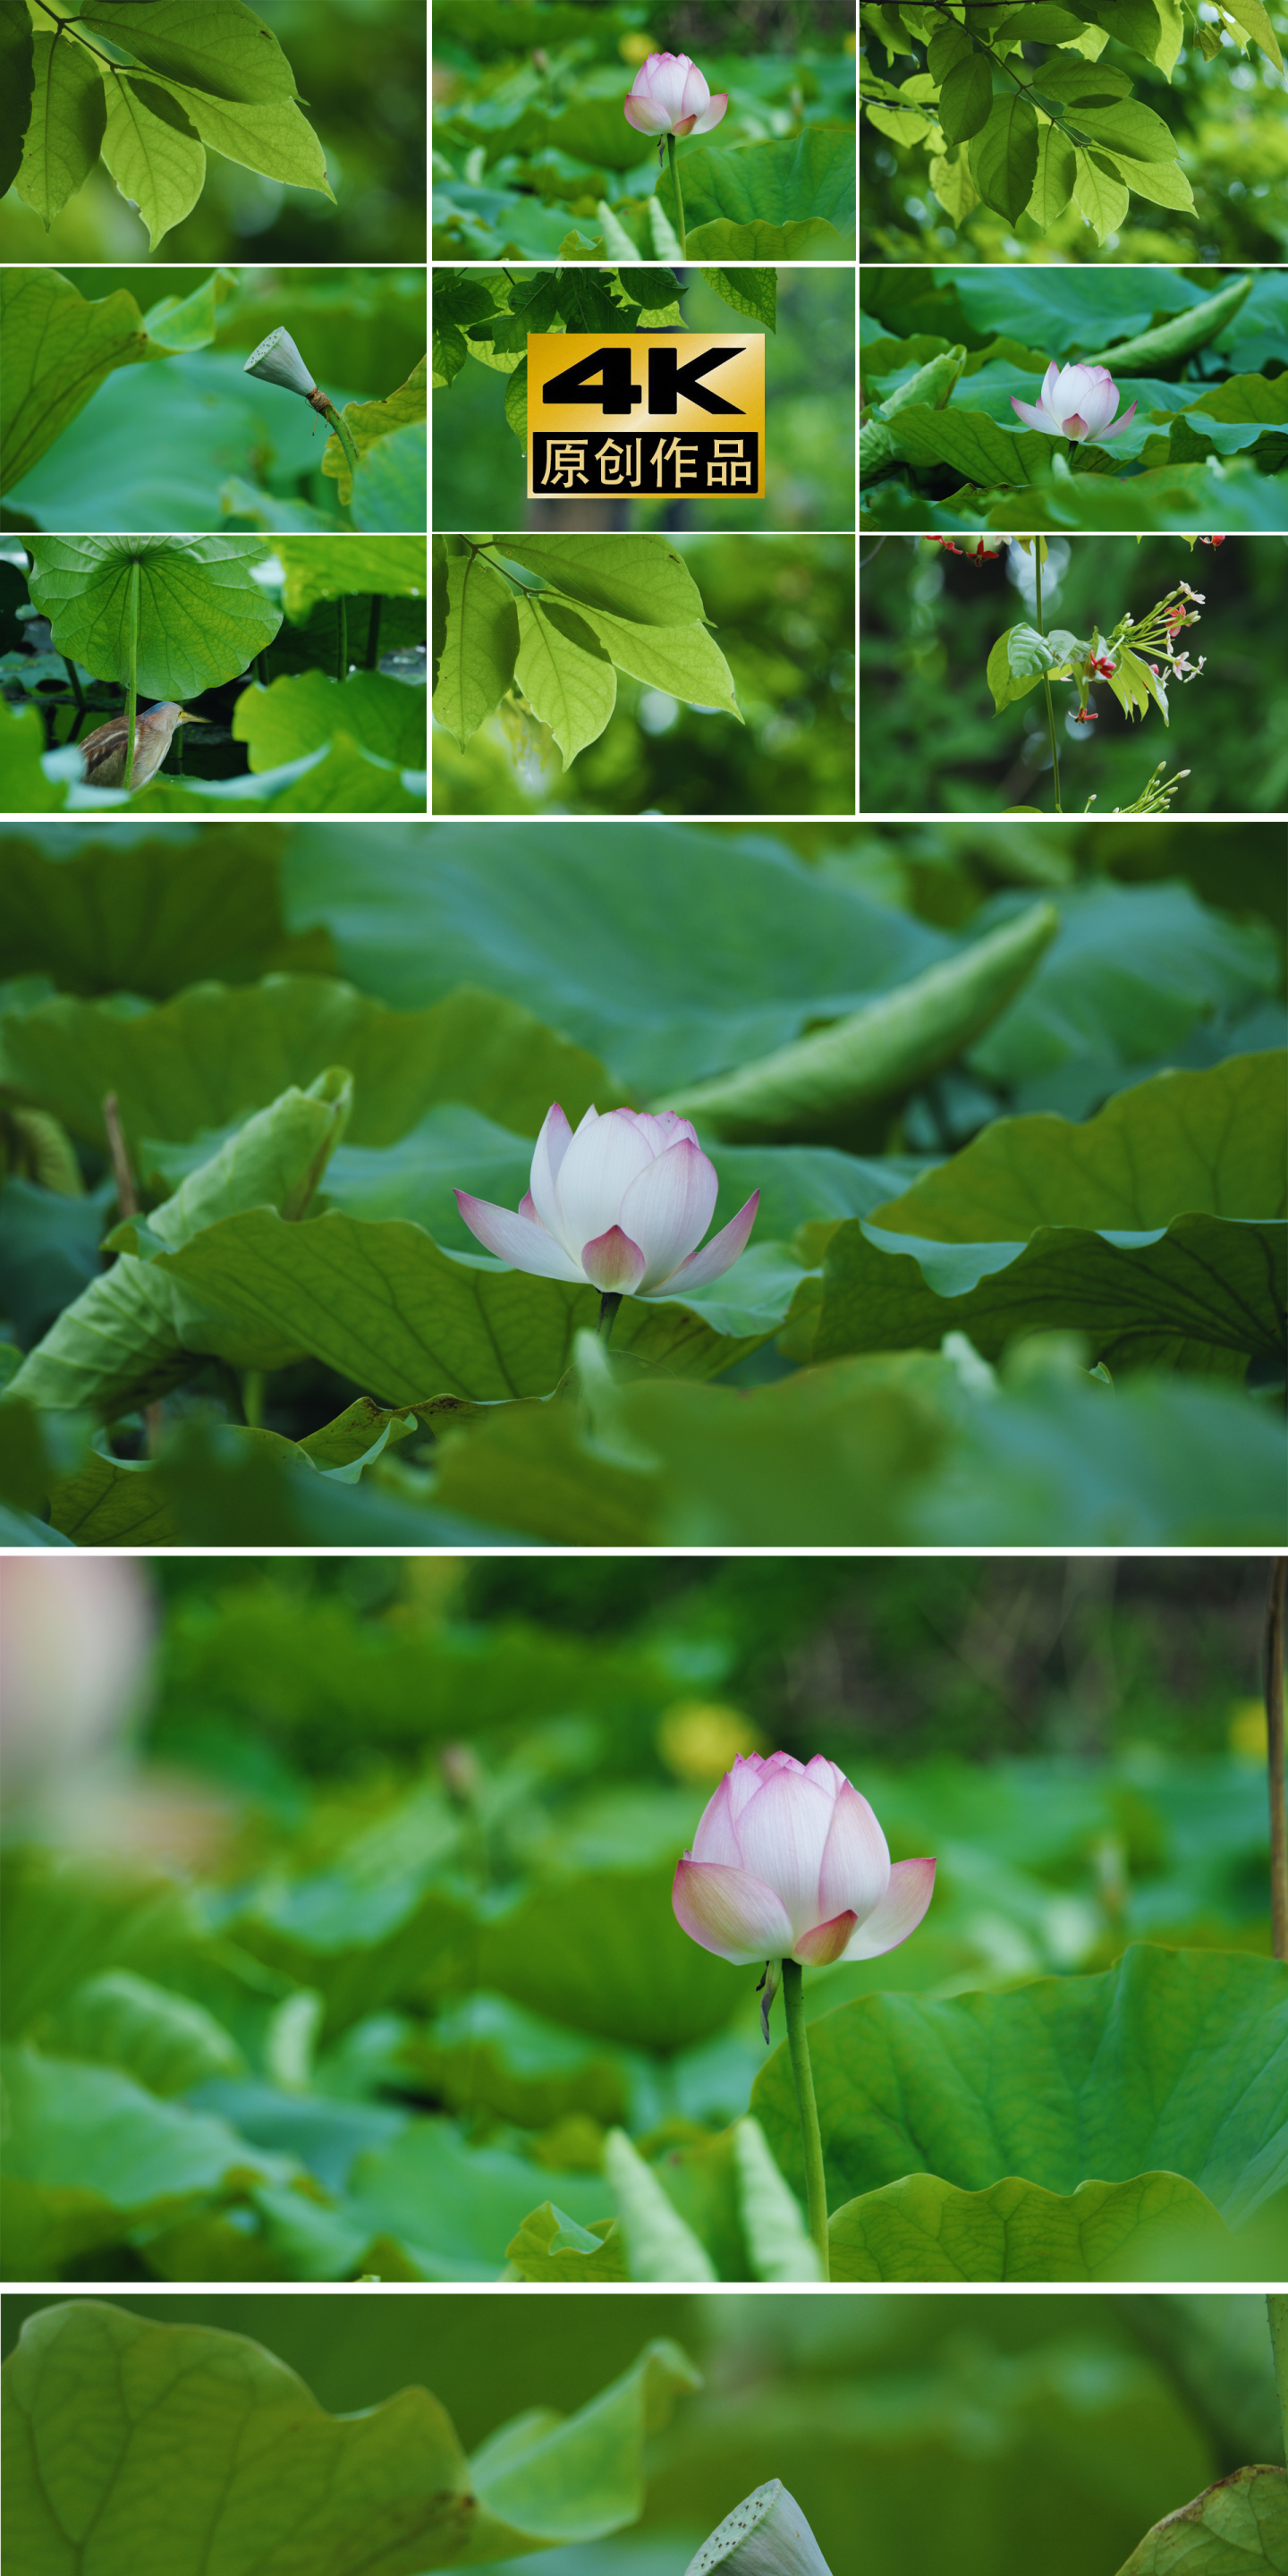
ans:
(782, 609)
(480, 470)
(193, 442)
(989, 2437)
(929, 737)
(359, 67)
(529, 135)
(1228, 116)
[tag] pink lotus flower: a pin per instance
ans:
(669, 96)
(621, 1204)
(1075, 402)
(789, 1862)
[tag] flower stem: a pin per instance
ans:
(679, 200)
(345, 437)
(811, 2142)
(131, 684)
(1277, 2306)
(1046, 684)
(608, 1305)
(1274, 1661)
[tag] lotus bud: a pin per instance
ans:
(765, 2535)
(789, 1862)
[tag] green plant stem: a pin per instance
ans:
(1277, 2306)
(252, 1398)
(1274, 1672)
(1046, 684)
(811, 2142)
(345, 437)
(373, 634)
(131, 684)
(341, 641)
(261, 673)
(78, 693)
(679, 197)
(608, 1305)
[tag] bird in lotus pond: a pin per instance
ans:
(104, 749)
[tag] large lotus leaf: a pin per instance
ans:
(454, 2206)
(358, 1945)
(165, 2041)
(604, 1953)
(368, 422)
(1166, 497)
(1201, 1293)
(1183, 1143)
(126, 910)
(812, 173)
(92, 2159)
(304, 709)
(63, 1923)
(1133, 972)
(275, 2485)
(486, 2053)
(671, 956)
(338, 567)
(1172, 2061)
(217, 1052)
(58, 350)
(391, 487)
(1156, 2227)
(386, 1309)
(1237, 2528)
(202, 616)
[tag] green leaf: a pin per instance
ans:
(214, 45)
(1253, 15)
(949, 46)
(300, 712)
(68, 116)
(16, 83)
(397, 1317)
(1183, 1142)
(966, 100)
(827, 1084)
(1168, 2062)
(1236, 2528)
(1153, 2228)
(281, 2482)
(686, 661)
(753, 291)
(202, 615)
(972, 443)
(482, 644)
(1053, 183)
(567, 680)
(776, 183)
(216, 1053)
(153, 153)
(810, 238)
(23, 783)
(275, 139)
(449, 351)
(389, 490)
(125, 912)
(125, 1335)
(58, 350)
(1161, 183)
(603, 1953)
(92, 2158)
(1099, 194)
(632, 577)
(550, 2246)
(1004, 156)
(338, 567)
(1128, 128)
(370, 421)
(165, 2041)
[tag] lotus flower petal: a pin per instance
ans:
(612, 1263)
(516, 1238)
(782, 1834)
(1075, 402)
(855, 1868)
(597, 1170)
(548, 1153)
(668, 1206)
(902, 1908)
(669, 95)
(730, 1912)
(711, 115)
(720, 1254)
(826, 1943)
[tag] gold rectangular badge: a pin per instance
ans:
(674, 413)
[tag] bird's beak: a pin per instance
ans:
(184, 718)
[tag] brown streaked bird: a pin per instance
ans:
(104, 749)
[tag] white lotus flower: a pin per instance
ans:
(278, 362)
(669, 95)
(621, 1204)
(1076, 403)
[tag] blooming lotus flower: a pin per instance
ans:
(622, 1204)
(789, 1862)
(669, 96)
(1075, 402)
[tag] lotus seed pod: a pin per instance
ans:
(278, 362)
(765, 2535)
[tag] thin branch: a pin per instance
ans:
(127, 1200)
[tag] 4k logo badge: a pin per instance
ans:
(680, 412)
